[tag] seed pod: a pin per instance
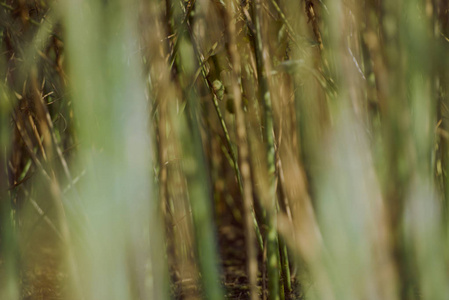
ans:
(219, 89)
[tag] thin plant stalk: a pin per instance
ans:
(423, 210)
(112, 115)
(195, 170)
(9, 273)
(236, 164)
(243, 153)
(271, 234)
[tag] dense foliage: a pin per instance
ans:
(206, 149)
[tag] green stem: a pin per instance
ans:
(285, 266)
(271, 234)
(224, 127)
(196, 174)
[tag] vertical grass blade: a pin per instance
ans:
(264, 94)
(112, 117)
(195, 170)
(9, 267)
(426, 244)
(243, 153)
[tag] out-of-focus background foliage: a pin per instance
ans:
(223, 149)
